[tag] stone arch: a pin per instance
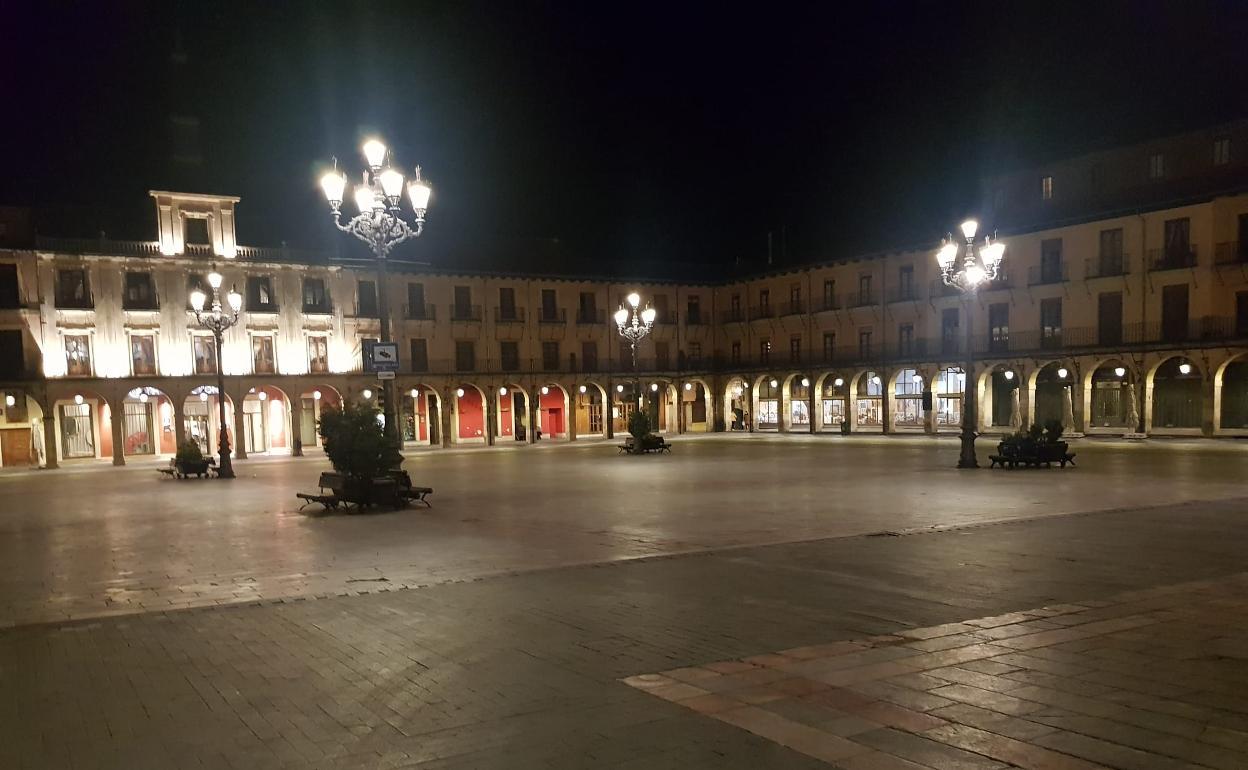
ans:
(468, 414)
(1050, 387)
(797, 415)
(149, 422)
(593, 409)
(1003, 405)
(266, 420)
(553, 411)
(948, 391)
(1111, 397)
(833, 400)
(1174, 396)
(867, 396)
(906, 388)
(738, 407)
(1230, 389)
(83, 424)
(767, 394)
(420, 419)
(696, 405)
(513, 411)
(201, 418)
(313, 397)
(661, 402)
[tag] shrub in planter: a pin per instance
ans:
(639, 426)
(189, 451)
(355, 443)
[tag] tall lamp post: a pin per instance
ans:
(217, 320)
(966, 268)
(634, 325)
(381, 225)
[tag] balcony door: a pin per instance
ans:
(1109, 318)
(1174, 309)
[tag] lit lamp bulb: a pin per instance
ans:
(545, 391)
(1009, 375)
(214, 280)
(654, 387)
(969, 228)
(501, 391)
(78, 398)
(1120, 371)
(582, 388)
(619, 388)
(9, 400)
(197, 300)
(1061, 373)
(203, 396)
(419, 191)
(634, 299)
(1185, 368)
(262, 396)
(774, 383)
(364, 198)
(805, 382)
(647, 315)
(459, 393)
(838, 382)
(332, 184)
(993, 253)
(392, 184)
(235, 299)
(621, 317)
(875, 380)
(367, 394)
(374, 153)
(948, 252)
(688, 386)
(975, 275)
(316, 395)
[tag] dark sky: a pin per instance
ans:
(584, 135)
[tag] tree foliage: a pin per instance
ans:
(355, 442)
(639, 425)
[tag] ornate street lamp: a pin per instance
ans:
(217, 320)
(380, 224)
(966, 268)
(634, 325)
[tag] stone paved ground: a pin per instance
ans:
(525, 671)
(90, 543)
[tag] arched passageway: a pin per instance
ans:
(201, 418)
(835, 396)
(908, 400)
(314, 400)
(869, 414)
(1053, 398)
(768, 404)
(1005, 398)
(1178, 403)
(737, 404)
(591, 407)
(1234, 395)
(148, 423)
(468, 424)
(950, 387)
(266, 421)
(1114, 404)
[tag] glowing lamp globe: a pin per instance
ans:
(364, 198)
(197, 300)
(392, 183)
(9, 400)
(619, 388)
(1185, 368)
(688, 386)
(647, 315)
(459, 392)
(374, 153)
(948, 252)
(501, 391)
(78, 399)
(838, 382)
(1061, 373)
(545, 391)
(805, 382)
(1009, 375)
(262, 396)
(582, 388)
(621, 317)
(367, 394)
(774, 383)
(975, 275)
(634, 299)
(419, 191)
(654, 387)
(969, 228)
(235, 299)
(214, 279)
(332, 184)
(1120, 371)
(993, 253)
(316, 395)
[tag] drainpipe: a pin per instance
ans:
(1145, 403)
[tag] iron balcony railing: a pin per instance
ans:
(588, 316)
(732, 316)
(795, 307)
(508, 315)
(1231, 253)
(1107, 266)
(552, 315)
(827, 303)
(901, 294)
(465, 312)
(421, 312)
(1056, 272)
(1172, 258)
(762, 311)
(861, 299)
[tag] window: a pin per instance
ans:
(587, 308)
(589, 356)
(1051, 260)
(262, 360)
(1046, 188)
(662, 356)
(829, 346)
(12, 357)
(204, 349)
(1178, 246)
(419, 350)
(864, 343)
(905, 340)
(140, 292)
(195, 231)
(507, 304)
(71, 289)
(366, 299)
(142, 354)
(1241, 313)
(1221, 151)
(795, 350)
(660, 309)
(462, 310)
(999, 326)
(78, 355)
(764, 303)
(864, 290)
(795, 298)
(416, 301)
(1051, 323)
(315, 299)
(550, 356)
(829, 294)
(509, 356)
(695, 352)
(736, 352)
(1156, 166)
(949, 330)
(1174, 313)
(9, 297)
(260, 297)
(693, 310)
(1110, 258)
(905, 282)
(1109, 318)
(764, 351)
(465, 356)
(318, 355)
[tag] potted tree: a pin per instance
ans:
(365, 457)
(190, 460)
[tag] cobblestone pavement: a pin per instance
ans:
(103, 541)
(525, 671)
(1149, 678)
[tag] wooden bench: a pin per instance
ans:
(650, 444)
(333, 492)
(330, 481)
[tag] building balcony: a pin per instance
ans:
(793, 308)
(1041, 275)
(1232, 253)
(732, 316)
(1181, 258)
(760, 312)
(591, 317)
(76, 303)
(666, 318)
(508, 315)
(150, 305)
(466, 313)
(420, 312)
(901, 294)
(552, 315)
(1107, 266)
(861, 299)
(828, 303)
(693, 318)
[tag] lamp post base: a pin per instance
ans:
(967, 459)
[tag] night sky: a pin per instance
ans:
(587, 136)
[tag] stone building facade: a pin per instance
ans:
(1129, 319)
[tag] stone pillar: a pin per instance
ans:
(179, 422)
(489, 405)
(447, 399)
(784, 410)
(117, 419)
(887, 392)
(531, 404)
(608, 403)
(296, 426)
(812, 415)
(238, 446)
(716, 417)
(50, 450)
(570, 417)
(1208, 399)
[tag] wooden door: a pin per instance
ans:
(15, 447)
